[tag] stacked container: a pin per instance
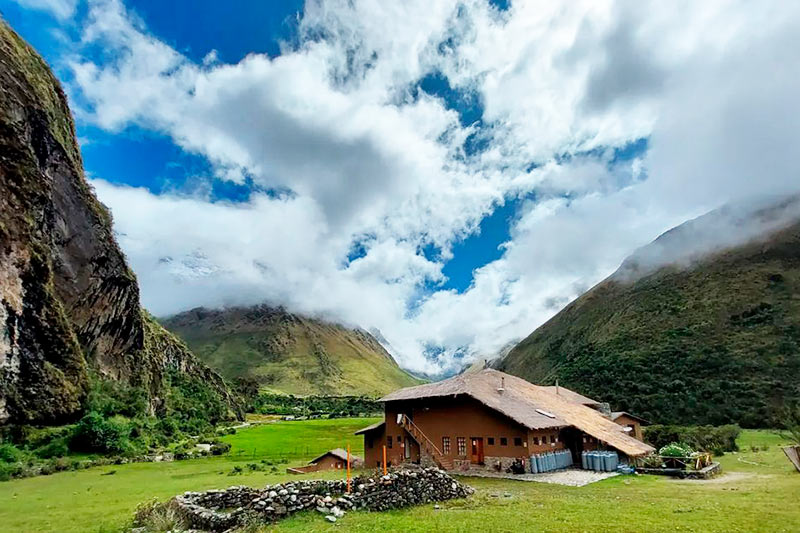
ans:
(549, 461)
(600, 461)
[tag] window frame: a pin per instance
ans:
(461, 445)
(446, 445)
(503, 441)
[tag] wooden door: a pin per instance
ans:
(476, 456)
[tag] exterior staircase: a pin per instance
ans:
(426, 445)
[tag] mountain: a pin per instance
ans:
(701, 326)
(69, 303)
(290, 353)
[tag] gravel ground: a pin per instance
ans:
(572, 477)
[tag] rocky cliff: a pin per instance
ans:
(69, 303)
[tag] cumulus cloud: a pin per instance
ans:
(60, 9)
(361, 159)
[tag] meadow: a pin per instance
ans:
(758, 492)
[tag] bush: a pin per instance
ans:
(10, 453)
(706, 438)
(56, 448)
(100, 435)
(220, 448)
(675, 449)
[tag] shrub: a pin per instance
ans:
(156, 517)
(676, 449)
(220, 448)
(55, 448)
(97, 434)
(698, 437)
(10, 453)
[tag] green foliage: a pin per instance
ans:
(705, 438)
(10, 453)
(194, 406)
(336, 406)
(790, 420)
(96, 434)
(55, 448)
(676, 449)
(111, 398)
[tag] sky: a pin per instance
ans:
(450, 173)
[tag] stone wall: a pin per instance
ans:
(220, 510)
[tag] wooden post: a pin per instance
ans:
(384, 459)
(348, 469)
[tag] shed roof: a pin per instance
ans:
(617, 414)
(339, 453)
(530, 405)
(371, 427)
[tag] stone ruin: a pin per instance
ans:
(225, 510)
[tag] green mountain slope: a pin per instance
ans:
(709, 339)
(289, 353)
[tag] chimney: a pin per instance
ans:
(502, 388)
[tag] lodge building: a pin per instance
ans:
(489, 418)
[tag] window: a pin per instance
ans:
(445, 445)
(503, 441)
(490, 441)
(389, 441)
(462, 445)
(535, 441)
(517, 441)
(398, 438)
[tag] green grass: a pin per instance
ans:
(750, 498)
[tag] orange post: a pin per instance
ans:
(384, 459)
(348, 469)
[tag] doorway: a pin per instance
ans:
(476, 456)
(573, 440)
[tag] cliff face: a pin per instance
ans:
(69, 304)
(290, 353)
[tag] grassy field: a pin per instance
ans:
(757, 493)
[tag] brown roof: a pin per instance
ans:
(617, 414)
(570, 395)
(370, 428)
(339, 453)
(530, 405)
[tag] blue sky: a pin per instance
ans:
(451, 173)
(142, 158)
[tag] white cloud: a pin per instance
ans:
(333, 120)
(60, 9)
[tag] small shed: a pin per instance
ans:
(335, 459)
(632, 422)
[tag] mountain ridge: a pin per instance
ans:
(289, 352)
(707, 339)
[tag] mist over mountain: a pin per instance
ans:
(691, 329)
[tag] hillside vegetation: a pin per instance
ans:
(289, 353)
(708, 340)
